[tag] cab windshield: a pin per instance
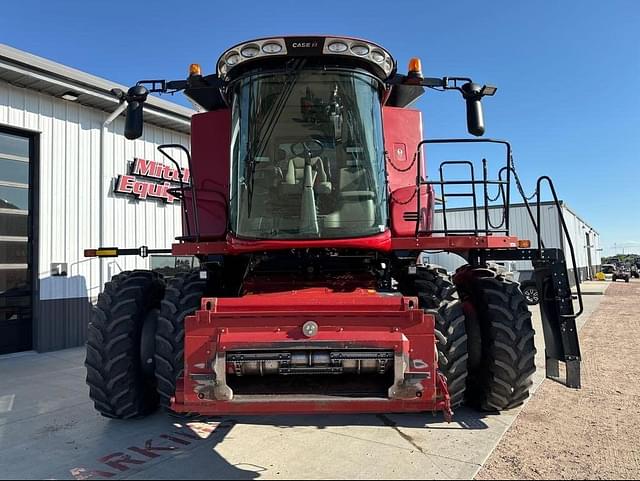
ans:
(308, 158)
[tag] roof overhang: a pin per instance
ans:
(25, 70)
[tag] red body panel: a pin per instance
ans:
(382, 243)
(233, 245)
(210, 154)
(356, 320)
(455, 243)
(402, 134)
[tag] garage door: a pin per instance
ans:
(15, 259)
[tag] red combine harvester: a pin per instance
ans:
(308, 208)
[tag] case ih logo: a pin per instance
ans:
(305, 44)
(142, 189)
(299, 47)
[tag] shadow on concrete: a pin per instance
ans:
(148, 445)
(464, 418)
(161, 447)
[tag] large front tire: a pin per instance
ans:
(500, 376)
(119, 385)
(437, 295)
(182, 298)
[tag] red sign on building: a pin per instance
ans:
(163, 178)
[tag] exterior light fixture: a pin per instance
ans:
(314, 47)
(70, 96)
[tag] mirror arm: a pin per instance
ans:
(153, 86)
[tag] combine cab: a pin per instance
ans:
(308, 207)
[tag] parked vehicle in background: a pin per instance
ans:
(608, 268)
(621, 272)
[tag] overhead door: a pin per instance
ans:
(15, 243)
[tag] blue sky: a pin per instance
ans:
(568, 73)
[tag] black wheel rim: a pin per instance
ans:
(531, 295)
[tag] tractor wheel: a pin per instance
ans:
(121, 383)
(502, 360)
(437, 294)
(182, 298)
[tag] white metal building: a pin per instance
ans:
(62, 150)
(585, 239)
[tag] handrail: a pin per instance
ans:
(566, 232)
(506, 196)
(192, 181)
(485, 182)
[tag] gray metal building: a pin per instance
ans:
(585, 239)
(62, 154)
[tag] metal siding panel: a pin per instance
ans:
(147, 211)
(58, 185)
(124, 221)
(84, 208)
(72, 188)
(4, 102)
(32, 111)
(45, 125)
(577, 237)
(63, 323)
(16, 107)
(93, 228)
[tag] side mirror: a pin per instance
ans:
(136, 96)
(472, 93)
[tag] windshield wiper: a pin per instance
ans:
(273, 115)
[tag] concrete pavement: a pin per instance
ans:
(48, 429)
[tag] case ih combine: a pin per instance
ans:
(308, 206)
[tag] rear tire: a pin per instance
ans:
(437, 295)
(119, 385)
(182, 298)
(501, 377)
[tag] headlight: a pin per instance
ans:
(250, 51)
(337, 47)
(377, 56)
(272, 47)
(232, 59)
(360, 49)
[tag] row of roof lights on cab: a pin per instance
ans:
(248, 51)
(361, 49)
(356, 48)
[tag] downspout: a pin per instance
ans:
(105, 125)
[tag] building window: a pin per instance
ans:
(15, 259)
